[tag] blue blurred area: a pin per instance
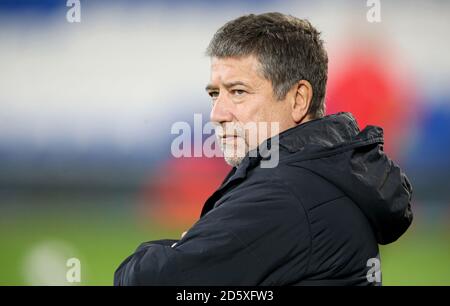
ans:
(34, 5)
(427, 162)
(432, 148)
(45, 6)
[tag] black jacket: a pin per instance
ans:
(317, 218)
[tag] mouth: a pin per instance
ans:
(228, 137)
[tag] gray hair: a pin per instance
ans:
(289, 49)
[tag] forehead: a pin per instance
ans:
(235, 68)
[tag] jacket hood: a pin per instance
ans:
(334, 148)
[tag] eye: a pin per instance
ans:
(238, 92)
(213, 94)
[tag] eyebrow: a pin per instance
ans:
(227, 85)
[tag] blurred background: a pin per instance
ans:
(86, 110)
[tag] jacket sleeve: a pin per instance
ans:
(258, 236)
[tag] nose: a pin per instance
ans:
(220, 112)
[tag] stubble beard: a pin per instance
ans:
(234, 148)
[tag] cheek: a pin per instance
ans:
(265, 113)
(256, 110)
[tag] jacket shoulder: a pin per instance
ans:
(307, 187)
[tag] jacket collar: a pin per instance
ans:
(312, 138)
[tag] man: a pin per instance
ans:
(317, 215)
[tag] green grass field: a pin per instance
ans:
(102, 241)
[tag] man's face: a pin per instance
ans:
(242, 101)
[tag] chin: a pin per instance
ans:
(233, 161)
(234, 156)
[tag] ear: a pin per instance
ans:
(301, 102)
